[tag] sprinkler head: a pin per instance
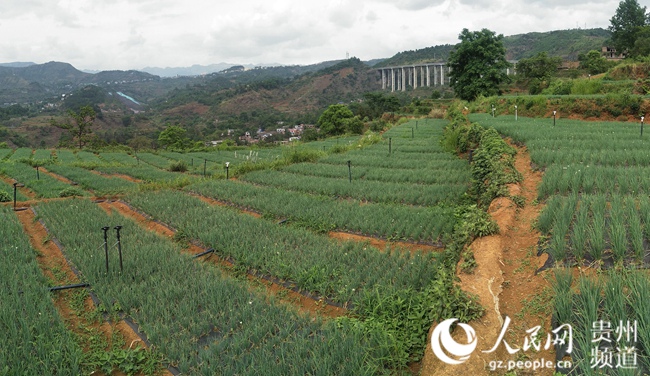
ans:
(118, 228)
(227, 164)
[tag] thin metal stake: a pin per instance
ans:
(119, 246)
(105, 228)
(350, 170)
(205, 163)
(390, 144)
(38, 176)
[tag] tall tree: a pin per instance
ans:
(338, 119)
(478, 64)
(625, 24)
(540, 66)
(642, 43)
(174, 136)
(79, 124)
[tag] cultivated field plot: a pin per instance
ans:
(9, 190)
(99, 185)
(119, 158)
(21, 154)
(42, 156)
(311, 262)
(66, 156)
(42, 184)
(5, 153)
(202, 320)
(34, 338)
(375, 175)
(597, 215)
(596, 204)
(322, 214)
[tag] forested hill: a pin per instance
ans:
(567, 44)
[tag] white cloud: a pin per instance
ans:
(126, 34)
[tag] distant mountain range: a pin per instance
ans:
(197, 70)
(27, 82)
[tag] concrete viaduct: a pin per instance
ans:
(418, 75)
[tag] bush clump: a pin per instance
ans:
(178, 166)
(4, 196)
(70, 192)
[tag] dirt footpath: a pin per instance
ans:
(506, 285)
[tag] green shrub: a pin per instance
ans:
(70, 192)
(5, 197)
(587, 87)
(178, 166)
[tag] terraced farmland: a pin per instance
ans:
(365, 307)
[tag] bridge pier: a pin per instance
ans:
(401, 77)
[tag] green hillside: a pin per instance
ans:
(567, 44)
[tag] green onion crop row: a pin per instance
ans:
(147, 173)
(397, 193)
(441, 176)
(427, 224)
(5, 153)
(66, 156)
(313, 263)
(599, 226)
(95, 182)
(88, 157)
(616, 297)
(21, 154)
(46, 186)
(120, 158)
(9, 189)
(42, 155)
(34, 338)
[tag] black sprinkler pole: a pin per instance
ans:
(119, 246)
(38, 176)
(15, 189)
(350, 170)
(105, 228)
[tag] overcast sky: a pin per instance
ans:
(133, 34)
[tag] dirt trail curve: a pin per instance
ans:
(505, 283)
